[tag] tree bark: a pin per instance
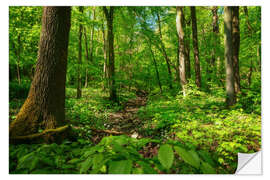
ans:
(86, 58)
(91, 47)
(195, 47)
(110, 38)
(181, 47)
(230, 90)
(187, 47)
(156, 68)
(215, 60)
(18, 55)
(236, 45)
(105, 66)
(164, 52)
(79, 79)
(44, 107)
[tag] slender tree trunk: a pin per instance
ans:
(187, 48)
(164, 52)
(215, 61)
(86, 57)
(236, 45)
(230, 90)
(19, 59)
(110, 38)
(250, 73)
(79, 79)
(105, 68)
(156, 68)
(247, 20)
(91, 48)
(195, 47)
(181, 47)
(44, 108)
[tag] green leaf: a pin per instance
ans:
(137, 171)
(86, 165)
(166, 156)
(98, 161)
(147, 169)
(189, 157)
(120, 167)
(74, 161)
(29, 161)
(207, 169)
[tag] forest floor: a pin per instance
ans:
(127, 120)
(200, 121)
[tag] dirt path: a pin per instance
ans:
(127, 120)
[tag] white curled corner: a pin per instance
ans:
(249, 163)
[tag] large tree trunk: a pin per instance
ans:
(164, 52)
(44, 108)
(79, 79)
(236, 45)
(181, 47)
(195, 47)
(110, 38)
(230, 99)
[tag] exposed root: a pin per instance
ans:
(47, 135)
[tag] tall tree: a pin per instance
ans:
(105, 65)
(186, 23)
(44, 108)
(236, 45)
(110, 38)
(164, 51)
(156, 68)
(230, 99)
(215, 60)
(18, 55)
(91, 47)
(79, 78)
(181, 47)
(195, 47)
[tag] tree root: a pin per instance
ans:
(107, 131)
(48, 135)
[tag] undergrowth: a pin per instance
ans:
(188, 134)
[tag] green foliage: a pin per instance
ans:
(166, 156)
(18, 90)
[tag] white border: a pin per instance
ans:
(4, 79)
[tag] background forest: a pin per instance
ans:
(148, 90)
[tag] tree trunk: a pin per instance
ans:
(187, 47)
(86, 58)
(79, 79)
(236, 45)
(110, 38)
(195, 47)
(156, 68)
(181, 47)
(44, 108)
(164, 52)
(91, 47)
(230, 99)
(216, 43)
(105, 68)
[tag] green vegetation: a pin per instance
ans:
(157, 124)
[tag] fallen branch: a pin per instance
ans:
(107, 131)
